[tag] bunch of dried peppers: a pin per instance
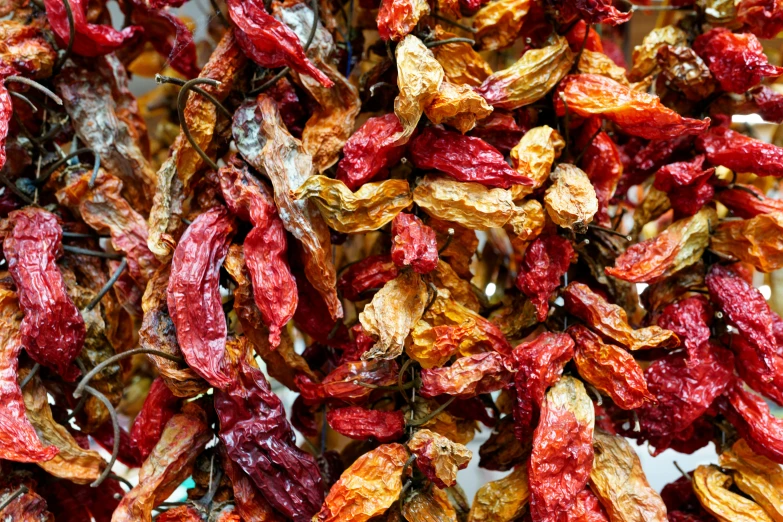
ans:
(348, 198)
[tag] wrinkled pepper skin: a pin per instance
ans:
(158, 409)
(371, 151)
(52, 330)
(358, 423)
(750, 414)
(89, 39)
(741, 153)
(193, 294)
(370, 273)
(546, 261)
(414, 244)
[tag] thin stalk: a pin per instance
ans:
(115, 425)
(181, 100)
(30, 376)
(94, 253)
(432, 414)
(115, 276)
(35, 85)
(18, 493)
(436, 43)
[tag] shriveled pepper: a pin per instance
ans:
(370, 151)
(545, 262)
(89, 39)
(414, 244)
(340, 384)
(686, 184)
(746, 201)
(370, 273)
(750, 415)
(356, 422)
(741, 153)
(148, 426)
(467, 377)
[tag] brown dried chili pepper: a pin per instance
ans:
(677, 247)
(467, 377)
(539, 364)
(371, 151)
(159, 407)
(171, 462)
(611, 320)
(501, 500)
(747, 201)
(397, 18)
(414, 244)
(534, 155)
(269, 42)
(438, 457)
(18, 439)
(461, 64)
(571, 201)
(193, 294)
(464, 158)
(265, 247)
(264, 142)
(368, 487)
(756, 476)
(344, 383)
(683, 71)
(636, 113)
(498, 24)
(88, 39)
(686, 184)
(750, 415)
(711, 488)
(645, 55)
(392, 313)
(610, 369)
(458, 106)
(52, 330)
(546, 261)
(740, 153)
(618, 480)
(746, 309)
(690, 319)
(367, 274)
(737, 61)
(358, 423)
(371, 207)
(258, 437)
(429, 506)
(530, 78)
(753, 241)
(562, 456)
(502, 451)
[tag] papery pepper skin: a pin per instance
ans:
(370, 151)
(193, 294)
(358, 423)
(754, 372)
(602, 164)
(269, 42)
(18, 440)
(750, 415)
(740, 153)
(539, 365)
(6, 110)
(158, 409)
(397, 18)
(636, 113)
(467, 377)
(258, 437)
(591, 11)
(89, 39)
(746, 205)
(690, 319)
(464, 158)
(414, 244)
(610, 369)
(339, 384)
(711, 487)
(546, 261)
(370, 273)
(562, 456)
(736, 60)
(686, 184)
(265, 247)
(52, 330)
(169, 35)
(438, 457)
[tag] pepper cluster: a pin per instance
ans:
(350, 200)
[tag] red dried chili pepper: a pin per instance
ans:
(70, 502)
(128, 455)
(610, 369)
(539, 364)
(740, 153)
(193, 294)
(576, 37)
(750, 415)
(591, 11)
(562, 456)
(169, 35)
(158, 409)
(6, 109)
(737, 61)
(464, 158)
(764, 18)
(89, 39)
(313, 318)
(686, 183)
(586, 508)
(546, 261)
(467, 377)
(743, 203)
(370, 151)
(768, 103)
(639, 164)
(690, 319)
(269, 42)
(414, 244)
(356, 422)
(367, 274)
(257, 437)
(500, 129)
(746, 309)
(601, 162)
(636, 113)
(754, 372)
(339, 385)
(292, 109)
(53, 330)
(265, 246)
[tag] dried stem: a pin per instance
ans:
(94, 253)
(114, 277)
(181, 100)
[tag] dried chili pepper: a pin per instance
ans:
(562, 456)
(467, 377)
(534, 155)
(741, 153)
(754, 372)
(711, 488)
(169, 35)
(461, 64)
(397, 18)
(438, 457)
(545, 262)
(504, 499)
(458, 106)
(749, 241)
(601, 162)
(686, 184)
(636, 113)
(265, 247)
(52, 330)
(370, 151)
(746, 201)
(464, 158)
(356, 422)
(193, 294)
(89, 39)
(250, 503)
(370, 273)
(690, 319)
(571, 201)
(610, 369)
(6, 110)
(413, 244)
(148, 426)
(343, 382)
(419, 76)
(750, 415)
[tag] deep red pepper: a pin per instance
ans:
(686, 183)
(546, 261)
(6, 110)
(70, 502)
(89, 39)
(414, 244)
(591, 11)
(358, 423)
(601, 162)
(576, 35)
(370, 151)
(690, 319)
(313, 318)
(339, 385)
(372, 272)
(158, 409)
(740, 153)
(467, 377)
(193, 294)
(751, 417)
(744, 204)
(753, 371)
(464, 158)
(53, 330)
(128, 455)
(169, 35)
(639, 164)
